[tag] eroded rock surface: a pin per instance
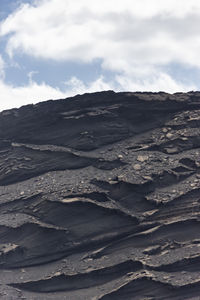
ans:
(100, 198)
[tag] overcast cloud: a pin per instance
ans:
(135, 40)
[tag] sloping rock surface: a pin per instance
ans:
(100, 198)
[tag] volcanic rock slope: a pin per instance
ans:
(99, 198)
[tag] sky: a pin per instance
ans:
(52, 49)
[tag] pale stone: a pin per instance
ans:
(184, 138)
(147, 177)
(169, 135)
(137, 167)
(142, 158)
(171, 150)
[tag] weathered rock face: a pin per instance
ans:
(100, 197)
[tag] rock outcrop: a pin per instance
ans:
(100, 198)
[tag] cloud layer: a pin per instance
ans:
(121, 33)
(32, 93)
(136, 40)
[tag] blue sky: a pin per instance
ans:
(52, 49)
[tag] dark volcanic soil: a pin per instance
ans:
(100, 198)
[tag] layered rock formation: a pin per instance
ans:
(100, 197)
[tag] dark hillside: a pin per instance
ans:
(100, 198)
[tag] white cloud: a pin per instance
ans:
(146, 31)
(134, 39)
(159, 82)
(2, 66)
(76, 86)
(11, 96)
(16, 96)
(155, 83)
(33, 93)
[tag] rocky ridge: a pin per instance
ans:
(100, 197)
